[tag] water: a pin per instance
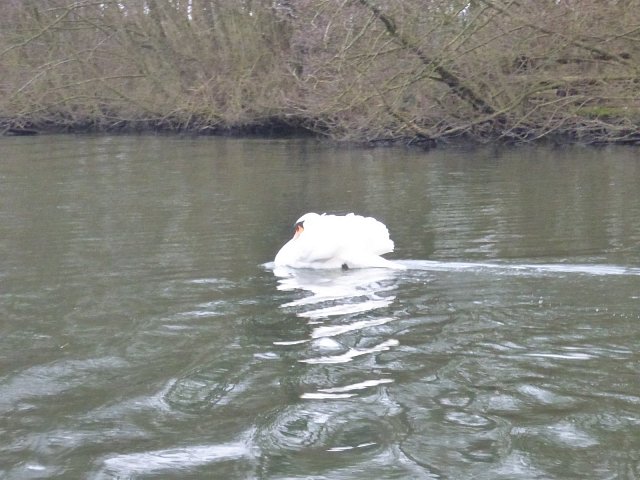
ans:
(143, 333)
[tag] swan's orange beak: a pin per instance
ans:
(299, 229)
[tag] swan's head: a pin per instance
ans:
(298, 227)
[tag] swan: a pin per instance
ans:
(337, 241)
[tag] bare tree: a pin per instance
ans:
(359, 70)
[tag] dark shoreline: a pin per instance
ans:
(276, 127)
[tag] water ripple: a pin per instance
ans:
(343, 392)
(333, 330)
(329, 426)
(173, 459)
(353, 353)
(346, 309)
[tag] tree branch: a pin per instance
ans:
(447, 77)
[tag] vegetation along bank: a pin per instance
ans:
(372, 71)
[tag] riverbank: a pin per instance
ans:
(286, 128)
(449, 72)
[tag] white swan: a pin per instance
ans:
(334, 241)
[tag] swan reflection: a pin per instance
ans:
(337, 292)
(343, 310)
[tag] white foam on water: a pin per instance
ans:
(521, 269)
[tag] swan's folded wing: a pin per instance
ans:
(367, 234)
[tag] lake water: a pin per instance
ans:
(143, 333)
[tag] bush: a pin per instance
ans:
(411, 70)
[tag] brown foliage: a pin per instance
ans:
(357, 70)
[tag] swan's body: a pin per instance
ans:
(333, 241)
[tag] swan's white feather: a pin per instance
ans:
(331, 241)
